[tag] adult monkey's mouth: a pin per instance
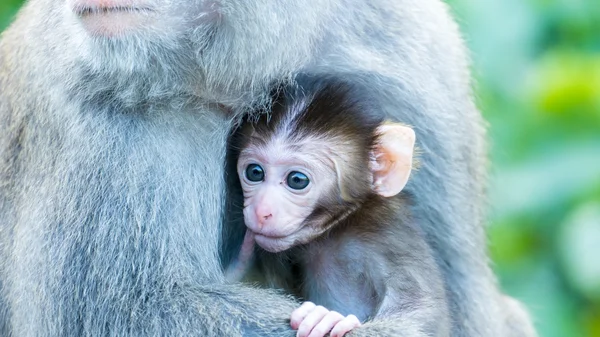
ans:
(87, 11)
(104, 7)
(113, 18)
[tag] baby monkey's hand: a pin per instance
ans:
(316, 321)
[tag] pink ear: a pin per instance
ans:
(392, 159)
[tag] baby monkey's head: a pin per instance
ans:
(313, 159)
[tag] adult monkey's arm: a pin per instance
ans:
(112, 144)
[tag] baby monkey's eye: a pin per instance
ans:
(297, 180)
(255, 173)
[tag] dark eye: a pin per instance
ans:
(255, 173)
(297, 180)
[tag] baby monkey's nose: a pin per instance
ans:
(264, 218)
(263, 215)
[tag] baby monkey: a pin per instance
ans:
(321, 175)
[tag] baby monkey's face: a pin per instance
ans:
(285, 179)
(282, 185)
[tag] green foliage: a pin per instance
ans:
(537, 68)
(8, 8)
(538, 84)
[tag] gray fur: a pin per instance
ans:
(385, 265)
(112, 152)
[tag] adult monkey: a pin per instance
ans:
(112, 142)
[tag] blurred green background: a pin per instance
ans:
(536, 65)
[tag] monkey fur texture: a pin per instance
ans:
(112, 152)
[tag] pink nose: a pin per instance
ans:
(263, 215)
(262, 218)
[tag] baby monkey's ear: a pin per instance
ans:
(391, 160)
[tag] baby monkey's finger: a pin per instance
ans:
(325, 325)
(344, 326)
(299, 314)
(311, 320)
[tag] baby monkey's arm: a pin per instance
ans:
(240, 266)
